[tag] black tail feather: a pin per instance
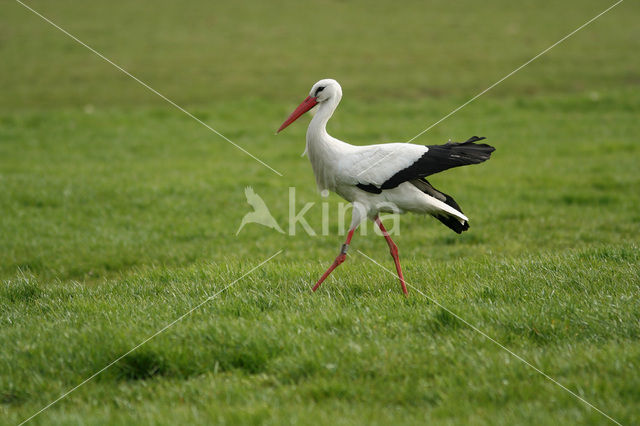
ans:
(450, 221)
(453, 222)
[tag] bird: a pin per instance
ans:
(381, 178)
(261, 213)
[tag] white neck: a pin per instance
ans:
(318, 127)
(324, 151)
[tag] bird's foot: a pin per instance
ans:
(404, 286)
(341, 258)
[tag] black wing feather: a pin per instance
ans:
(440, 158)
(369, 188)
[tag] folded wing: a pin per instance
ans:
(378, 167)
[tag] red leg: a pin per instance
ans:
(341, 257)
(393, 248)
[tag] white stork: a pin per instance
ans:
(381, 178)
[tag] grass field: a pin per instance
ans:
(118, 214)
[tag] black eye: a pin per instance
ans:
(318, 90)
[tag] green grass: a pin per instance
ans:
(118, 215)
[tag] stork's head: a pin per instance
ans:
(323, 91)
(326, 89)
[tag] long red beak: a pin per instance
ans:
(305, 106)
